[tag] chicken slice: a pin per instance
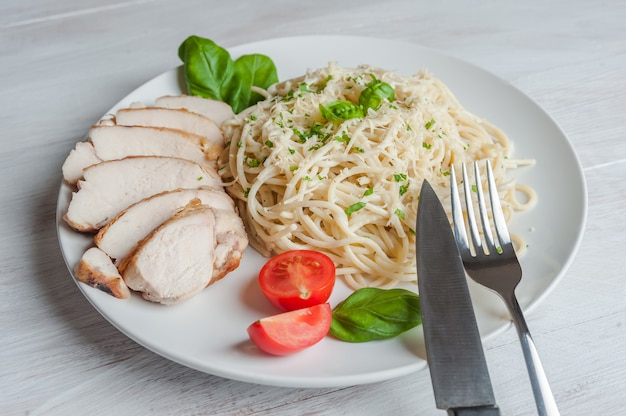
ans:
(117, 142)
(218, 111)
(179, 119)
(175, 262)
(96, 269)
(134, 223)
(231, 239)
(111, 186)
(82, 156)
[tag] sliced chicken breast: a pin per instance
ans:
(179, 119)
(137, 221)
(82, 156)
(118, 142)
(96, 269)
(175, 261)
(217, 111)
(232, 241)
(111, 186)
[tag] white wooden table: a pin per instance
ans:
(65, 62)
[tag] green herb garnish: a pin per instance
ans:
(210, 72)
(354, 208)
(340, 110)
(399, 177)
(373, 95)
(371, 314)
(404, 188)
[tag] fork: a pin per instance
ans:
(494, 264)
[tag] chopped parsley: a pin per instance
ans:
(324, 83)
(281, 121)
(253, 163)
(302, 136)
(344, 138)
(399, 177)
(315, 130)
(303, 87)
(355, 207)
(404, 188)
(288, 96)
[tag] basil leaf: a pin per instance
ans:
(340, 110)
(210, 72)
(208, 68)
(373, 314)
(250, 70)
(374, 94)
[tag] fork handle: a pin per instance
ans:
(546, 405)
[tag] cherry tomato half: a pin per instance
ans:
(297, 279)
(293, 331)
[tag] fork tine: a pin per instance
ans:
(496, 210)
(478, 244)
(471, 218)
(457, 215)
(482, 209)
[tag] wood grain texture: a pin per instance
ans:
(64, 63)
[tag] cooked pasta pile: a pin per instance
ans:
(350, 188)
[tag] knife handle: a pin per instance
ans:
(475, 411)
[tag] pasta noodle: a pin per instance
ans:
(350, 188)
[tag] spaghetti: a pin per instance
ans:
(349, 188)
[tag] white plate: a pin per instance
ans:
(208, 332)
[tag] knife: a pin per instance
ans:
(454, 351)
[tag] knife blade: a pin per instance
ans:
(454, 351)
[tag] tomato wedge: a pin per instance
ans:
(297, 279)
(293, 331)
